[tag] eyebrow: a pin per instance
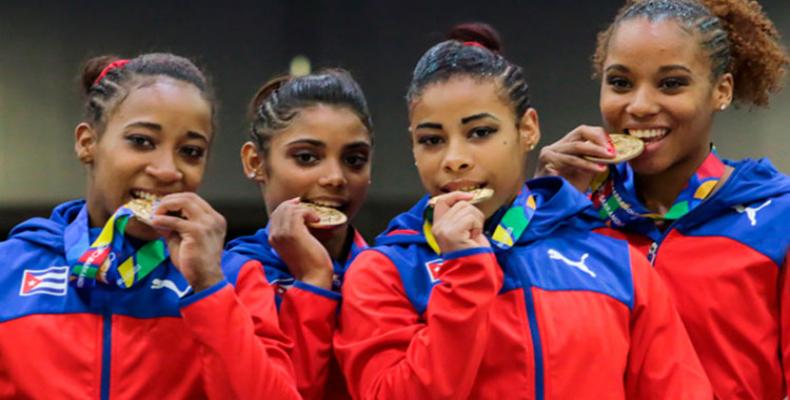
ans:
(429, 125)
(158, 128)
(670, 68)
(466, 120)
(313, 142)
(662, 69)
(357, 145)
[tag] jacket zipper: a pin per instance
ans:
(537, 349)
(106, 353)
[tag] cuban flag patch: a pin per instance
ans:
(434, 267)
(53, 281)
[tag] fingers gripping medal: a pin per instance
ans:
(329, 217)
(626, 148)
(113, 261)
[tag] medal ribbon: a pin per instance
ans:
(101, 261)
(509, 229)
(614, 193)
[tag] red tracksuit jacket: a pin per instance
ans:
(565, 313)
(308, 314)
(153, 340)
(725, 263)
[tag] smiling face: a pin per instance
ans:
(465, 136)
(155, 141)
(657, 85)
(322, 157)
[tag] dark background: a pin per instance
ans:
(241, 45)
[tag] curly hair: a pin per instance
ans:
(736, 35)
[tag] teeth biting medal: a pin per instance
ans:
(478, 196)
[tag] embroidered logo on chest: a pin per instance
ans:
(751, 212)
(580, 265)
(53, 281)
(434, 267)
(170, 285)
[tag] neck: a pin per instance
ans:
(336, 242)
(96, 216)
(659, 191)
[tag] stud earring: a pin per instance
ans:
(532, 146)
(723, 107)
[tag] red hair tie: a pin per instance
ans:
(112, 66)
(475, 44)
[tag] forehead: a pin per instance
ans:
(460, 97)
(644, 43)
(166, 101)
(326, 123)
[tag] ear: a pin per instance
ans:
(723, 92)
(529, 129)
(253, 163)
(85, 140)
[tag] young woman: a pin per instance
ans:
(513, 297)
(715, 230)
(312, 141)
(98, 304)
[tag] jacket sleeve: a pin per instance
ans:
(308, 316)
(784, 323)
(244, 353)
(387, 351)
(662, 363)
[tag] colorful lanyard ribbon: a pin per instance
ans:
(509, 229)
(614, 193)
(101, 261)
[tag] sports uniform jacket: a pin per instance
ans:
(156, 339)
(308, 314)
(725, 264)
(564, 313)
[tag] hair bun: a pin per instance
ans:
(477, 32)
(92, 68)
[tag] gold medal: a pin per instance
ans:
(329, 216)
(143, 209)
(626, 148)
(479, 196)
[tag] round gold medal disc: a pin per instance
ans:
(479, 196)
(329, 216)
(143, 209)
(626, 148)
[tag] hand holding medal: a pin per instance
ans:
(457, 223)
(289, 235)
(194, 238)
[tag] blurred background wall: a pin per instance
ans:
(43, 43)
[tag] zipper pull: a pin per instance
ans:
(651, 254)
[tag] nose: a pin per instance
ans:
(643, 103)
(333, 176)
(457, 158)
(164, 168)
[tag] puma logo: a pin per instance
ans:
(751, 212)
(168, 284)
(556, 255)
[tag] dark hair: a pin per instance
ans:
(278, 101)
(474, 50)
(736, 35)
(104, 95)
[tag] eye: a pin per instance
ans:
(481, 132)
(618, 83)
(305, 158)
(430, 140)
(356, 161)
(140, 141)
(193, 152)
(673, 84)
